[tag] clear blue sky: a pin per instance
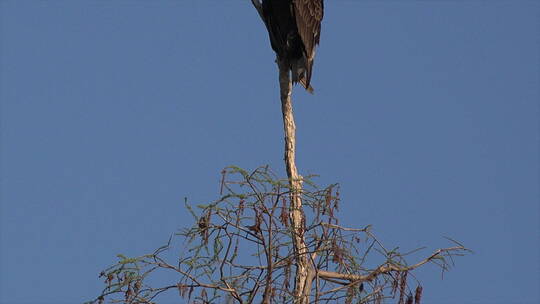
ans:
(427, 113)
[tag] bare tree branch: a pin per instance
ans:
(213, 265)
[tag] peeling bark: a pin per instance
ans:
(304, 271)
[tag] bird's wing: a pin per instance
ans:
(309, 14)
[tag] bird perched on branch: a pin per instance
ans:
(294, 27)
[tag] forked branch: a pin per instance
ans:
(217, 264)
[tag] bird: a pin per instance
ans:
(294, 28)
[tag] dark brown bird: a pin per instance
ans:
(294, 27)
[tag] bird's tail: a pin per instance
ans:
(301, 72)
(308, 88)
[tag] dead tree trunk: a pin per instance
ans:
(304, 269)
(303, 266)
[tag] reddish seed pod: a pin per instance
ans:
(418, 295)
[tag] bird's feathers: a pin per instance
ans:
(294, 27)
(309, 14)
